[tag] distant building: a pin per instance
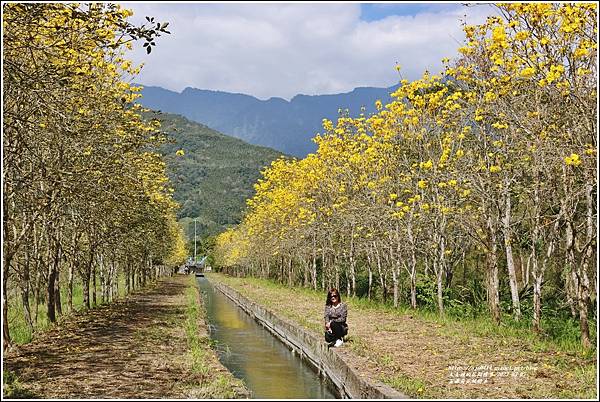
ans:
(197, 267)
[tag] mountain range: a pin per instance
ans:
(287, 126)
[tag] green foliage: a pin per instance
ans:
(468, 300)
(12, 387)
(362, 283)
(426, 292)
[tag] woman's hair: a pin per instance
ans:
(335, 292)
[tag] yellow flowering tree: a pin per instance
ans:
(83, 194)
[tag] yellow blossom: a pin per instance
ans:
(573, 160)
(527, 72)
(426, 165)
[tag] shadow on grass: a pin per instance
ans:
(97, 352)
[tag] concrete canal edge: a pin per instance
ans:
(327, 361)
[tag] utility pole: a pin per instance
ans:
(195, 219)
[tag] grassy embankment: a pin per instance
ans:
(414, 350)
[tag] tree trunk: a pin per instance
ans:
(51, 288)
(583, 290)
(116, 295)
(337, 272)
(57, 297)
(441, 269)
(510, 264)
(27, 308)
(103, 283)
(570, 292)
(537, 297)
(395, 278)
(352, 265)
(314, 263)
(25, 295)
(5, 330)
(37, 291)
(323, 267)
(395, 282)
(537, 274)
(413, 268)
(493, 283)
(440, 289)
(86, 290)
(583, 318)
(94, 301)
(369, 262)
(381, 274)
(70, 286)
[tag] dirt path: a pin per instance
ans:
(136, 348)
(427, 359)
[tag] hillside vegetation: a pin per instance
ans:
(213, 177)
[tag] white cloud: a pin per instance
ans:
(281, 50)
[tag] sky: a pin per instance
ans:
(284, 49)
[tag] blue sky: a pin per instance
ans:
(283, 49)
(378, 11)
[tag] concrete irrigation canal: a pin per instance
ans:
(275, 358)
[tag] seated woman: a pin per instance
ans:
(335, 318)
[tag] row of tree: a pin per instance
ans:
(85, 197)
(494, 161)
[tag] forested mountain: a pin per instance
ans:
(287, 126)
(214, 176)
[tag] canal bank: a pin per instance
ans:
(152, 344)
(328, 362)
(423, 356)
(251, 353)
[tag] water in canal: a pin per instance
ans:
(269, 369)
